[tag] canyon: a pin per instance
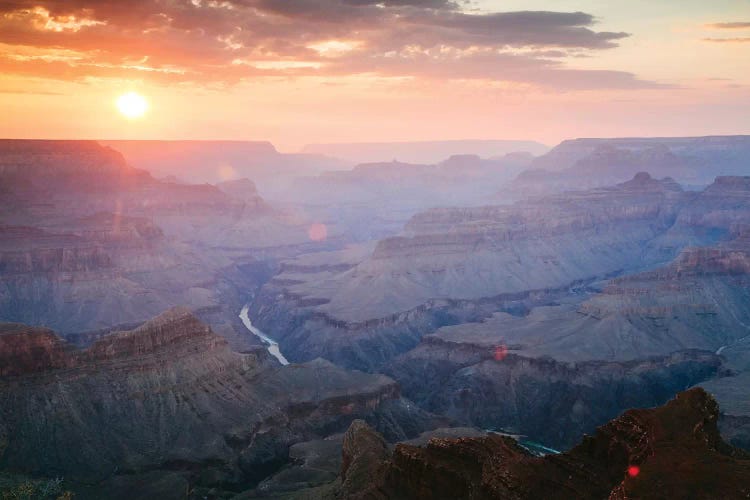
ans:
(457, 265)
(90, 242)
(171, 400)
(217, 340)
(617, 296)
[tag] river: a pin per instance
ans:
(273, 346)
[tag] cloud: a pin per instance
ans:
(559, 29)
(728, 40)
(29, 92)
(729, 26)
(520, 68)
(226, 41)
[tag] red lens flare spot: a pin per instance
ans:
(347, 409)
(318, 232)
(634, 470)
(500, 352)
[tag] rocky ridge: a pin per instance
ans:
(89, 242)
(493, 386)
(588, 163)
(170, 396)
(673, 451)
(508, 256)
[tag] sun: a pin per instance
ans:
(132, 105)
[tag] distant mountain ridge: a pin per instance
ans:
(217, 161)
(586, 163)
(569, 151)
(422, 151)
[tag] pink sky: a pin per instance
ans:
(303, 71)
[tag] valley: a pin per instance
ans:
(220, 338)
(374, 250)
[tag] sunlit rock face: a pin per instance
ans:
(171, 392)
(675, 449)
(75, 178)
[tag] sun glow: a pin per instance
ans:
(132, 105)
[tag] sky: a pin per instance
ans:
(305, 71)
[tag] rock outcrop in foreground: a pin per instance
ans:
(673, 451)
(169, 401)
(549, 401)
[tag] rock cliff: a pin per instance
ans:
(169, 396)
(548, 259)
(673, 451)
(89, 242)
(451, 260)
(552, 402)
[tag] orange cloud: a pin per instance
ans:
(224, 42)
(729, 26)
(728, 40)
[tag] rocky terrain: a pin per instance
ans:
(375, 200)
(697, 301)
(490, 387)
(245, 190)
(452, 265)
(455, 264)
(599, 300)
(455, 180)
(541, 319)
(90, 242)
(673, 451)
(169, 407)
(580, 163)
(96, 271)
(490, 373)
(729, 151)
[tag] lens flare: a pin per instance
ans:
(318, 232)
(501, 352)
